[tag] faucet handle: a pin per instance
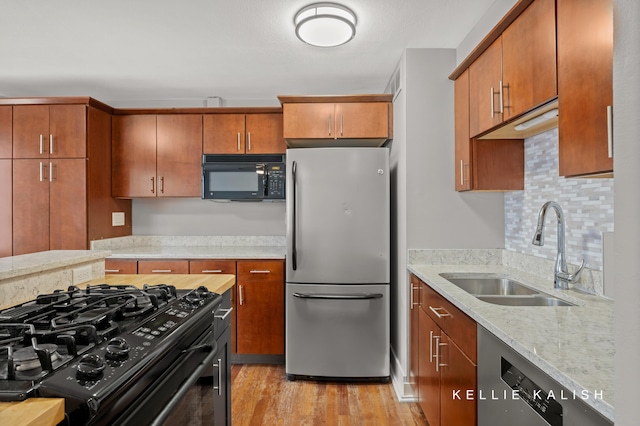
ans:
(571, 278)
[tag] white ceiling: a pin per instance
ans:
(127, 51)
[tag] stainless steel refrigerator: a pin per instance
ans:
(338, 263)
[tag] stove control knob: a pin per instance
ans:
(90, 367)
(117, 349)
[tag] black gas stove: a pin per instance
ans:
(106, 348)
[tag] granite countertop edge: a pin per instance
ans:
(33, 263)
(551, 334)
(200, 252)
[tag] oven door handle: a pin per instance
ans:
(204, 348)
(358, 296)
(208, 361)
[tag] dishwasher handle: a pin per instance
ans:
(357, 296)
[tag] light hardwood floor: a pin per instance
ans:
(261, 395)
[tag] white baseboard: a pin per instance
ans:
(399, 378)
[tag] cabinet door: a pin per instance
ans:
(163, 266)
(529, 59)
(260, 303)
(68, 131)
(463, 144)
(6, 210)
(6, 130)
(429, 374)
(457, 375)
(308, 121)
(133, 156)
(585, 86)
(179, 155)
(264, 134)
(485, 88)
(120, 266)
(68, 204)
(31, 131)
(30, 206)
(223, 134)
(362, 120)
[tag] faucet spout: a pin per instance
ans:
(562, 277)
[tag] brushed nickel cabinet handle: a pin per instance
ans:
(461, 172)
(492, 106)
(329, 123)
(153, 185)
(238, 141)
(161, 271)
(258, 271)
(610, 131)
(248, 141)
(51, 144)
(501, 99)
(50, 172)
(162, 184)
(437, 355)
(341, 124)
(431, 346)
(439, 315)
(240, 296)
(113, 271)
(41, 152)
(211, 271)
(219, 367)
(438, 363)
(41, 172)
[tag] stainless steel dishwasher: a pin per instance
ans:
(512, 391)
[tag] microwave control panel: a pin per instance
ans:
(276, 181)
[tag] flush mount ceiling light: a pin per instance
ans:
(325, 24)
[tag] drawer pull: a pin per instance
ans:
(211, 271)
(258, 271)
(161, 271)
(219, 366)
(438, 314)
(113, 271)
(226, 314)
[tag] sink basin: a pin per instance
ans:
(503, 291)
(492, 286)
(533, 300)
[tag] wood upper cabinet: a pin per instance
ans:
(447, 350)
(517, 72)
(260, 307)
(50, 131)
(366, 120)
(157, 156)
(529, 59)
(6, 211)
(585, 86)
(6, 132)
(256, 133)
(463, 172)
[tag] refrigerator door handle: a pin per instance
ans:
(339, 296)
(294, 253)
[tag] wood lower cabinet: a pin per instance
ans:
(6, 132)
(163, 266)
(259, 133)
(260, 307)
(447, 358)
(585, 86)
(157, 155)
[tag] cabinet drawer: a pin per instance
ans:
(258, 271)
(450, 319)
(212, 267)
(120, 266)
(163, 266)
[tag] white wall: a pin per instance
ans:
(428, 213)
(194, 216)
(626, 107)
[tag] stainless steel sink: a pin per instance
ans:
(533, 300)
(493, 286)
(503, 291)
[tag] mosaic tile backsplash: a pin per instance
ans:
(587, 206)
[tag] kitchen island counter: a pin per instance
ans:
(574, 345)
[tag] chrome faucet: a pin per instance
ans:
(562, 277)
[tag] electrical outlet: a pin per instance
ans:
(81, 274)
(117, 219)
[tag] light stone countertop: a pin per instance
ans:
(574, 345)
(200, 252)
(15, 266)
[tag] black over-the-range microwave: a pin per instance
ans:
(246, 177)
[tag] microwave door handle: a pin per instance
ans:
(294, 251)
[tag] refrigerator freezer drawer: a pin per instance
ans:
(338, 331)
